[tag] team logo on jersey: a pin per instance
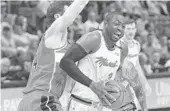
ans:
(104, 62)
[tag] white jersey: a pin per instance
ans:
(98, 66)
(133, 52)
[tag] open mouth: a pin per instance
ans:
(117, 36)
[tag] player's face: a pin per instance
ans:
(130, 30)
(115, 28)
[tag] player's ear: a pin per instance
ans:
(56, 16)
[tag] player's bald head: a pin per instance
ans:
(110, 16)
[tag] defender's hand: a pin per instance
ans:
(48, 102)
(101, 91)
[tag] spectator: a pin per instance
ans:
(8, 44)
(167, 64)
(144, 31)
(168, 6)
(152, 8)
(112, 7)
(7, 72)
(164, 50)
(5, 65)
(143, 36)
(141, 22)
(151, 46)
(139, 39)
(77, 29)
(162, 7)
(125, 14)
(168, 45)
(10, 78)
(91, 24)
(22, 38)
(6, 17)
(156, 66)
(93, 6)
(143, 60)
(149, 27)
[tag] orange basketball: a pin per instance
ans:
(123, 96)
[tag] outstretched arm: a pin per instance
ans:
(54, 33)
(131, 75)
(69, 15)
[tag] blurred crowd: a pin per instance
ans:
(20, 33)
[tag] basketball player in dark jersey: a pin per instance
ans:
(47, 81)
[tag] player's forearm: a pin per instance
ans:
(74, 72)
(73, 11)
(141, 73)
(142, 77)
(68, 64)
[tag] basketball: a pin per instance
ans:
(123, 96)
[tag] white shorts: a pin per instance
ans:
(65, 100)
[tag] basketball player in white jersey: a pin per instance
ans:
(47, 81)
(133, 53)
(98, 56)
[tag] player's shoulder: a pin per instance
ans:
(90, 41)
(91, 37)
(94, 35)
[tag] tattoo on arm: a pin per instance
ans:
(130, 74)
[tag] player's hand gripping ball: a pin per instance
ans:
(123, 95)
